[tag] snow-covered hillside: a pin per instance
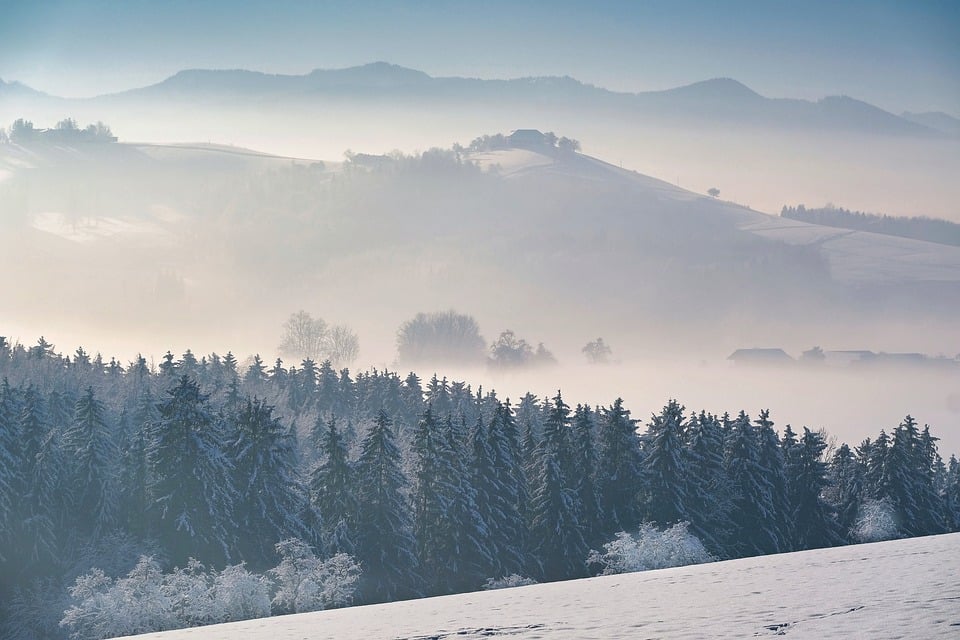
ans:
(855, 257)
(898, 589)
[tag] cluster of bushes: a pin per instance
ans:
(449, 337)
(148, 600)
(66, 131)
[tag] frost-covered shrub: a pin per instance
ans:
(307, 583)
(148, 600)
(106, 608)
(650, 549)
(876, 521)
(240, 595)
(507, 582)
(190, 595)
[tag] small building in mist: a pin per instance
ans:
(757, 357)
(528, 139)
(848, 357)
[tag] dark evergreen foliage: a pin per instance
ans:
(620, 480)
(270, 502)
(385, 545)
(192, 490)
(206, 466)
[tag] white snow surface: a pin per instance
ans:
(897, 589)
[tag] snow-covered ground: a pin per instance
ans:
(855, 257)
(897, 589)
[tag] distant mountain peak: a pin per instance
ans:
(18, 87)
(726, 88)
(373, 73)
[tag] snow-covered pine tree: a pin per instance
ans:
(844, 489)
(709, 494)
(813, 523)
(446, 523)
(465, 533)
(506, 520)
(555, 530)
(136, 437)
(333, 492)
(909, 482)
(327, 384)
(89, 444)
(666, 467)
(430, 497)
(756, 532)
(771, 461)
(385, 545)
(270, 494)
(585, 452)
(932, 472)
(873, 458)
(38, 471)
(9, 445)
(192, 490)
(620, 469)
(485, 485)
(438, 397)
(256, 374)
(346, 405)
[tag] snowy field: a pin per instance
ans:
(855, 257)
(897, 589)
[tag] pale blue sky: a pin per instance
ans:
(898, 55)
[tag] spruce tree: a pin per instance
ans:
(9, 437)
(446, 522)
(385, 545)
(134, 476)
(620, 469)
(555, 529)
(508, 503)
(192, 491)
(813, 520)
(709, 493)
(333, 493)
(753, 514)
(89, 443)
(38, 485)
(465, 533)
(771, 461)
(666, 467)
(585, 452)
(431, 501)
(270, 495)
(844, 490)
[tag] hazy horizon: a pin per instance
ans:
(899, 57)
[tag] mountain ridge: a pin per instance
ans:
(725, 99)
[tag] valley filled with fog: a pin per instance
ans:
(128, 248)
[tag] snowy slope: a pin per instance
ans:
(898, 589)
(855, 257)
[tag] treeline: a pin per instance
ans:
(917, 228)
(431, 487)
(66, 131)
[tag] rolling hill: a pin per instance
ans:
(516, 236)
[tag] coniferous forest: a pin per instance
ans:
(289, 487)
